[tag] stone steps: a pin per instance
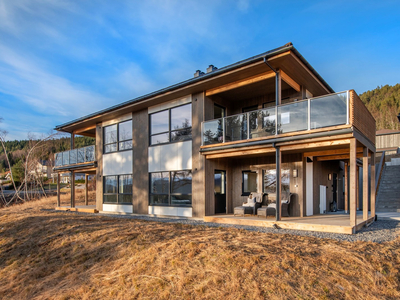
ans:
(388, 198)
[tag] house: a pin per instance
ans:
(43, 169)
(197, 149)
(388, 140)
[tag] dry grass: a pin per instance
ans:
(47, 255)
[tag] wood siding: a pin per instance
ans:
(388, 141)
(99, 169)
(198, 160)
(361, 118)
(140, 140)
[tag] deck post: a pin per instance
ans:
(278, 183)
(358, 188)
(72, 183)
(86, 189)
(346, 188)
(365, 184)
(373, 187)
(58, 190)
(353, 182)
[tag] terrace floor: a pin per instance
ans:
(331, 222)
(79, 208)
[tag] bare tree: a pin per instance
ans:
(32, 182)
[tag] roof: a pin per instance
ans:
(248, 61)
(387, 131)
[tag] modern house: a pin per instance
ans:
(197, 149)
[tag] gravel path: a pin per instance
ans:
(379, 232)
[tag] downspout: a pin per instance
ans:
(277, 81)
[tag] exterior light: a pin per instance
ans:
(295, 173)
(329, 176)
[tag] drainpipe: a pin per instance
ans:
(277, 82)
(278, 181)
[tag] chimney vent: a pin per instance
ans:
(211, 68)
(198, 73)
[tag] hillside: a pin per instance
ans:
(61, 255)
(384, 104)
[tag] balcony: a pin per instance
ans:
(80, 157)
(344, 108)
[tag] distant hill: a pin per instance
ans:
(384, 104)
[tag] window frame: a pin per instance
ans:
(117, 193)
(170, 130)
(118, 141)
(170, 194)
(248, 171)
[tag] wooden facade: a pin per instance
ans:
(250, 85)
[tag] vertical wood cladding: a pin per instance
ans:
(140, 133)
(198, 160)
(99, 169)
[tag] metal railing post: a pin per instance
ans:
(309, 113)
(276, 120)
(347, 107)
(248, 125)
(223, 129)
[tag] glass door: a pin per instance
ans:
(220, 191)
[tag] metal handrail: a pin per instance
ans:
(59, 157)
(276, 114)
(378, 174)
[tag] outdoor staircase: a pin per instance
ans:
(388, 198)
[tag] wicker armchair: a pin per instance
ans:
(247, 209)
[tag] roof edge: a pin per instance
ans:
(253, 59)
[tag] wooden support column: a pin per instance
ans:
(58, 190)
(365, 184)
(373, 187)
(346, 188)
(278, 162)
(72, 183)
(353, 182)
(86, 189)
(358, 188)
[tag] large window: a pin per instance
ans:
(117, 189)
(269, 182)
(118, 137)
(174, 124)
(171, 188)
(249, 182)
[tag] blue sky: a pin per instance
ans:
(60, 60)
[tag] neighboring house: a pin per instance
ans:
(8, 175)
(199, 147)
(388, 140)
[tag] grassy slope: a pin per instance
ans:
(44, 255)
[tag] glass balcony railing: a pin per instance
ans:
(325, 111)
(75, 156)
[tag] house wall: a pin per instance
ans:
(387, 141)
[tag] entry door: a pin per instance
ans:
(335, 192)
(220, 191)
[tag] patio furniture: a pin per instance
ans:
(250, 207)
(265, 211)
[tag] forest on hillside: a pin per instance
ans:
(384, 104)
